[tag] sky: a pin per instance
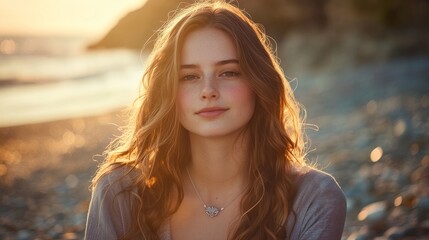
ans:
(89, 18)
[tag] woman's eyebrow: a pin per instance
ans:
(223, 62)
(186, 66)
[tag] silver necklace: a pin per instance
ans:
(211, 211)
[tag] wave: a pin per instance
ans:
(45, 87)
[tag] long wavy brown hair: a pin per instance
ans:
(156, 146)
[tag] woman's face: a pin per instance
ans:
(214, 98)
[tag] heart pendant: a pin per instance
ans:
(212, 211)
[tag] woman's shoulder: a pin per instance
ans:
(116, 179)
(317, 188)
(111, 203)
(319, 206)
(308, 179)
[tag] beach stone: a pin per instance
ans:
(54, 234)
(415, 232)
(20, 202)
(395, 233)
(362, 234)
(425, 161)
(423, 203)
(6, 237)
(70, 236)
(8, 224)
(23, 235)
(373, 212)
(420, 174)
(56, 231)
(72, 181)
(60, 216)
(380, 238)
(79, 219)
(407, 199)
(358, 236)
(360, 186)
(402, 177)
(398, 216)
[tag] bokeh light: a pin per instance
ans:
(376, 154)
(7, 46)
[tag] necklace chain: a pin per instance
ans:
(211, 211)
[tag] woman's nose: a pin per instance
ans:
(209, 90)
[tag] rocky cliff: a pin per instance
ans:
(280, 17)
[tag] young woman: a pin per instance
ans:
(214, 149)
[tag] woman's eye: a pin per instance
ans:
(230, 74)
(189, 77)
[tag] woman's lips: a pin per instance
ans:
(211, 112)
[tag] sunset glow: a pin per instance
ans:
(62, 17)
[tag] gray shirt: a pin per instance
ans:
(319, 206)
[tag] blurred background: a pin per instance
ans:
(69, 69)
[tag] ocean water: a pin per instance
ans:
(51, 78)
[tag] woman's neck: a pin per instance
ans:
(219, 165)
